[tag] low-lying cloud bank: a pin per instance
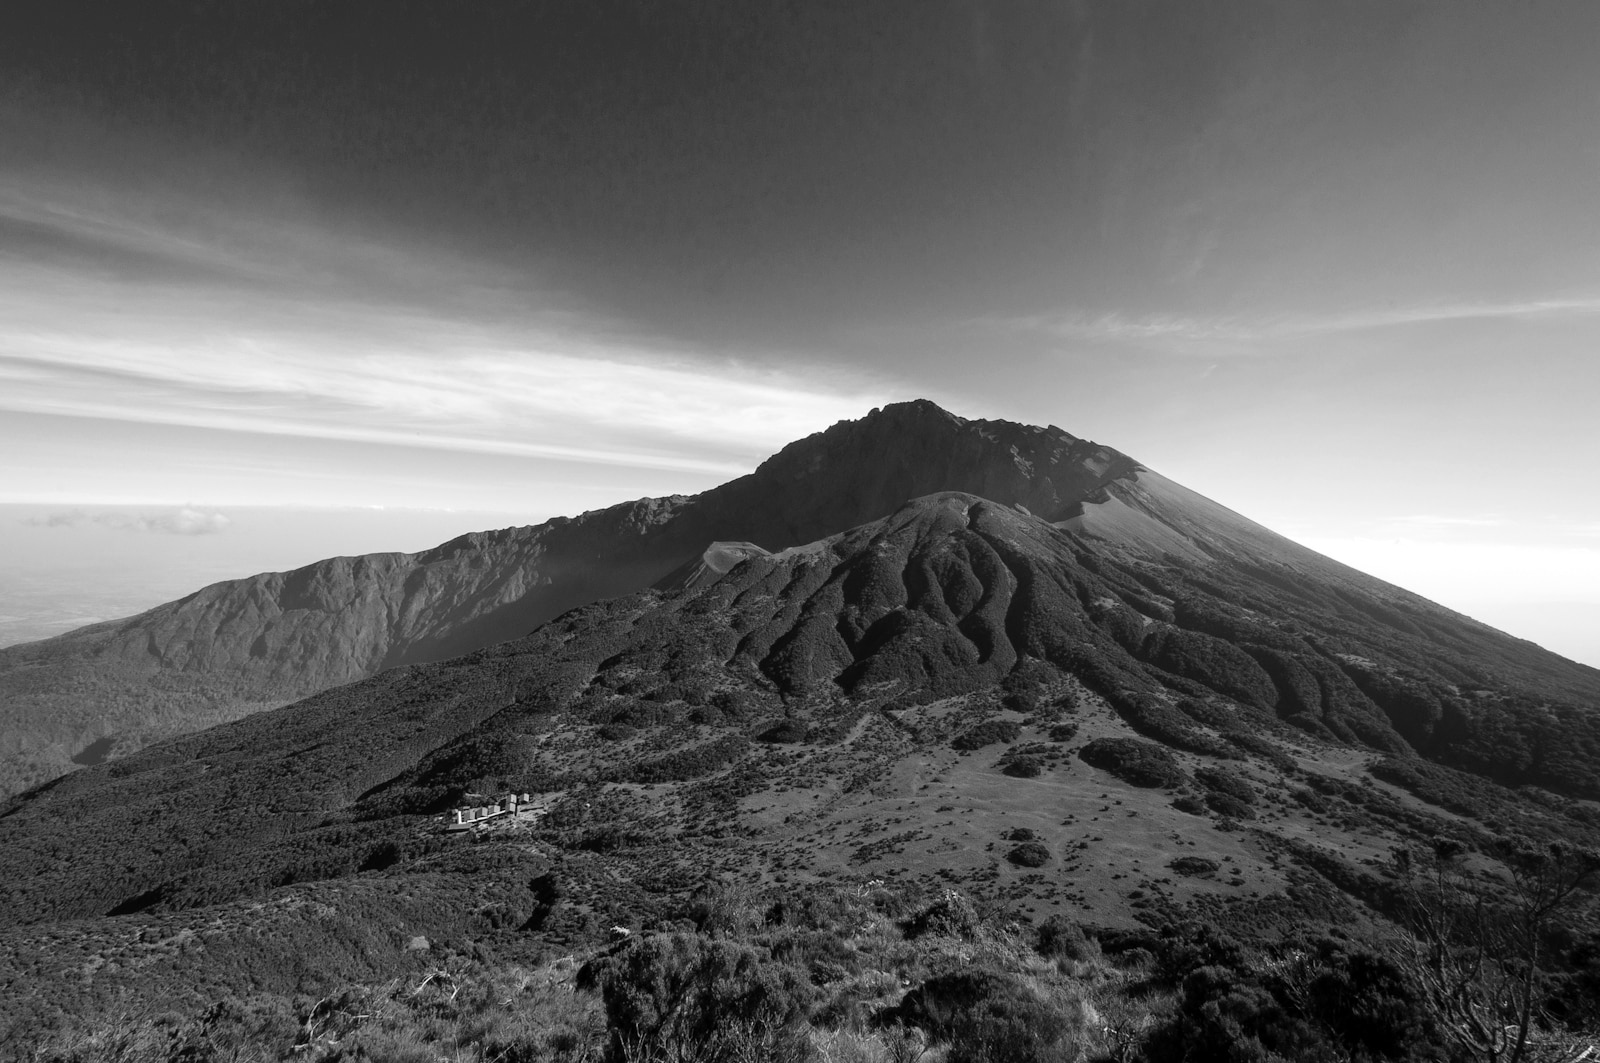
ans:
(182, 520)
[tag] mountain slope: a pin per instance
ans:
(951, 596)
(239, 646)
(1045, 714)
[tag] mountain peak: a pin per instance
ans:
(914, 409)
(909, 449)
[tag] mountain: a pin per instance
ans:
(1111, 700)
(238, 647)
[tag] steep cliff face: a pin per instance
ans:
(235, 647)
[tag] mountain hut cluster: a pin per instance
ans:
(475, 815)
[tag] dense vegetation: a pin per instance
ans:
(862, 972)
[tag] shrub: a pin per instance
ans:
(989, 1017)
(617, 732)
(1190, 804)
(823, 954)
(987, 733)
(1226, 782)
(680, 996)
(950, 914)
(1029, 854)
(1022, 834)
(1310, 799)
(1194, 865)
(1316, 1003)
(1062, 939)
(1133, 761)
(724, 910)
(1023, 701)
(1184, 947)
(1228, 805)
(1023, 767)
(1063, 732)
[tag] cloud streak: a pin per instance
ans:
(182, 521)
(1244, 334)
(350, 352)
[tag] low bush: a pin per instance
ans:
(1199, 866)
(951, 914)
(1023, 767)
(679, 996)
(1310, 799)
(1314, 1002)
(1221, 781)
(987, 1016)
(1063, 732)
(1062, 939)
(1133, 761)
(1029, 854)
(1230, 806)
(987, 733)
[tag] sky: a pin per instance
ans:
(362, 269)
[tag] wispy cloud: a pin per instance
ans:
(181, 521)
(62, 227)
(1247, 334)
(310, 334)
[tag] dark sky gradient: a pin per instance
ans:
(736, 172)
(1335, 263)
